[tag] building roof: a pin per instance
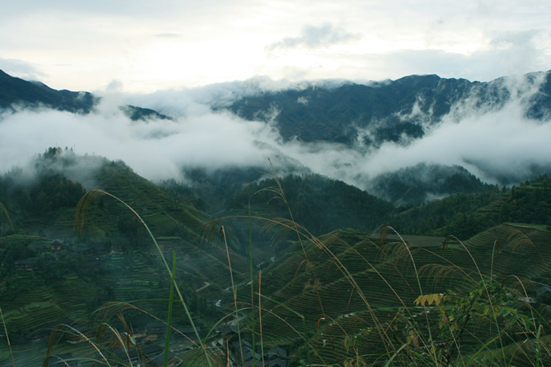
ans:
(227, 329)
(244, 343)
(30, 261)
(277, 352)
(38, 246)
(250, 354)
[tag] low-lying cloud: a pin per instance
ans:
(156, 149)
(493, 143)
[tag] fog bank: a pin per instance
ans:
(494, 143)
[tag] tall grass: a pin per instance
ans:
(5, 211)
(80, 218)
(487, 320)
(484, 322)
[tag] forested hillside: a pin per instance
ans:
(426, 182)
(465, 215)
(397, 111)
(51, 273)
(318, 203)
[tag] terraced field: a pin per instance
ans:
(353, 283)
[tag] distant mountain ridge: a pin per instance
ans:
(361, 116)
(15, 91)
(425, 182)
(18, 92)
(388, 111)
(371, 114)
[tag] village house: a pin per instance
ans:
(57, 245)
(38, 247)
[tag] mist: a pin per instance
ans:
(156, 149)
(499, 144)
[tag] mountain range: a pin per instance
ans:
(359, 118)
(391, 110)
(337, 112)
(307, 250)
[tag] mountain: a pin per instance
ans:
(47, 191)
(325, 291)
(464, 215)
(396, 111)
(425, 182)
(318, 203)
(59, 272)
(15, 92)
(373, 113)
(353, 282)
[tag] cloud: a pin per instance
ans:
(155, 149)
(503, 58)
(314, 37)
(492, 143)
(497, 143)
(135, 8)
(20, 69)
(167, 35)
(202, 100)
(522, 50)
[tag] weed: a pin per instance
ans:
(358, 306)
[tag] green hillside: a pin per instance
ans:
(426, 182)
(318, 203)
(465, 215)
(332, 295)
(15, 91)
(352, 283)
(44, 281)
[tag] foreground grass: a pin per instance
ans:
(352, 300)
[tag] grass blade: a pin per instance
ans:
(7, 337)
(169, 318)
(80, 218)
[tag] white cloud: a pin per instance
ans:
(157, 150)
(313, 37)
(169, 44)
(20, 69)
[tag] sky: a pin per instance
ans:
(184, 58)
(145, 46)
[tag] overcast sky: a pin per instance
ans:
(147, 46)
